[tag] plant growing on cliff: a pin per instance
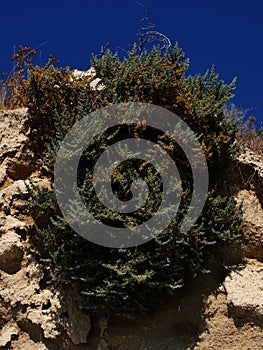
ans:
(126, 280)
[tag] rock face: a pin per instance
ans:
(11, 252)
(90, 73)
(15, 157)
(214, 312)
(31, 315)
(244, 288)
(250, 180)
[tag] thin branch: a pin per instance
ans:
(103, 49)
(147, 35)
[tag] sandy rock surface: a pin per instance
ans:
(244, 288)
(220, 311)
(31, 315)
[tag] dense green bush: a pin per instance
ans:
(151, 77)
(161, 80)
(120, 281)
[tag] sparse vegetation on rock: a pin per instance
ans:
(137, 276)
(51, 278)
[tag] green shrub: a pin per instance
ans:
(121, 281)
(151, 77)
(124, 281)
(161, 80)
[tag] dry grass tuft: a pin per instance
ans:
(247, 135)
(251, 138)
(10, 98)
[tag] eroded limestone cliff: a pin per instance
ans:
(223, 310)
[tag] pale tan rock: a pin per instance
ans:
(8, 194)
(12, 136)
(11, 223)
(248, 179)
(253, 160)
(46, 313)
(11, 252)
(220, 331)
(244, 288)
(21, 287)
(90, 73)
(13, 144)
(25, 343)
(95, 84)
(45, 319)
(253, 224)
(3, 175)
(6, 333)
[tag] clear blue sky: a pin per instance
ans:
(228, 34)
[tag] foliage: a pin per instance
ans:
(10, 86)
(248, 136)
(161, 80)
(49, 91)
(124, 280)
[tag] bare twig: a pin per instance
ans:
(148, 36)
(103, 49)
